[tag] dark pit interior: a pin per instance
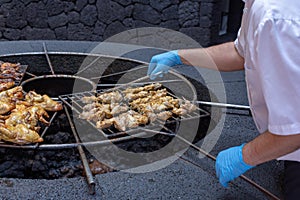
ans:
(66, 162)
(56, 85)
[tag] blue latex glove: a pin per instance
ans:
(160, 64)
(230, 164)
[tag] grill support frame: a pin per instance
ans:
(70, 145)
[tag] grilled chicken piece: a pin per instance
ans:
(121, 122)
(188, 106)
(7, 65)
(33, 97)
(118, 108)
(49, 104)
(149, 113)
(129, 119)
(5, 107)
(19, 134)
(43, 101)
(37, 113)
(29, 116)
(133, 90)
(159, 93)
(111, 97)
(12, 94)
(146, 104)
(164, 115)
(3, 117)
(90, 106)
(96, 112)
(89, 100)
(153, 86)
(180, 111)
(105, 123)
(185, 107)
(6, 85)
(9, 72)
(17, 117)
(133, 96)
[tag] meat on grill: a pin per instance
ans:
(9, 73)
(21, 113)
(133, 107)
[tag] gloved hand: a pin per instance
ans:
(230, 164)
(160, 64)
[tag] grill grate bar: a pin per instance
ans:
(30, 74)
(17, 79)
(48, 58)
(140, 83)
(88, 172)
(46, 128)
(23, 69)
(74, 102)
(88, 66)
(75, 145)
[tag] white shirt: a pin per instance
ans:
(269, 41)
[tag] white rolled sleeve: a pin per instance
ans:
(278, 66)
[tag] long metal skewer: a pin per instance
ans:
(265, 191)
(138, 84)
(121, 72)
(46, 128)
(129, 83)
(89, 175)
(224, 105)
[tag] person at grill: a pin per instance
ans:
(267, 48)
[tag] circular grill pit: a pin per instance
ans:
(61, 155)
(56, 85)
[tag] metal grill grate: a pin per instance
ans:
(22, 70)
(17, 79)
(74, 102)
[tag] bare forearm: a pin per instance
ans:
(269, 146)
(223, 57)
